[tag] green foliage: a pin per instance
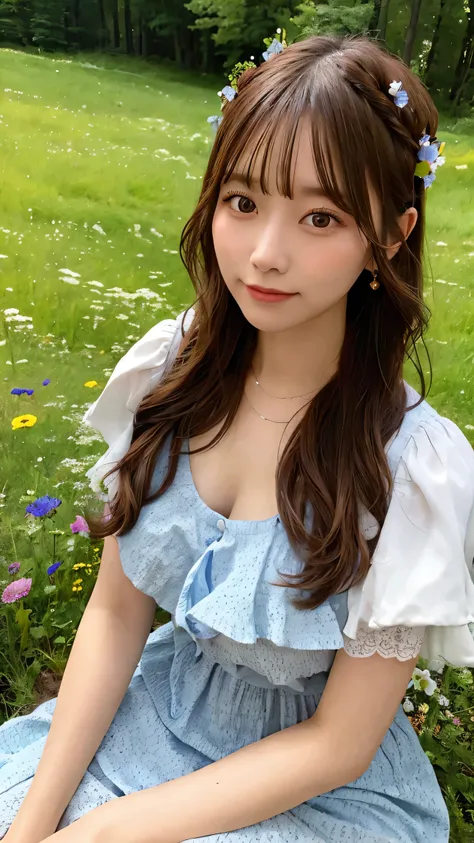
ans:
(335, 17)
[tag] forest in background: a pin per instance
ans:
(435, 37)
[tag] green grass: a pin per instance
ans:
(101, 168)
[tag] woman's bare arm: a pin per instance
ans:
(108, 645)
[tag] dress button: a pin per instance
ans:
(221, 525)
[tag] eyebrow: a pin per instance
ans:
(305, 190)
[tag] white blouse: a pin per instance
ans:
(418, 596)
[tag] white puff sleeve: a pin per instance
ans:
(133, 377)
(418, 596)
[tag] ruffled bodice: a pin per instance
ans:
(216, 576)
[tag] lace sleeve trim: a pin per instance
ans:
(400, 642)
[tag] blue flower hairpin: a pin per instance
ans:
(229, 92)
(397, 91)
(429, 159)
(273, 50)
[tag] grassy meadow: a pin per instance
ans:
(102, 161)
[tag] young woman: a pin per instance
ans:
(303, 514)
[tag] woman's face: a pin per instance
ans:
(304, 247)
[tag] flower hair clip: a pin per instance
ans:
(430, 157)
(229, 92)
(397, 91)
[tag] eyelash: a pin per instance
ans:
(331, 214)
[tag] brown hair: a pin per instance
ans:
(335, 460)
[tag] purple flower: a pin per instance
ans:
(42, 506)
(45, 382)
(456, 721)
(80, 525)
(18, 391)
(16, 590)
(14, 568)
(429, 179)
(53, 568)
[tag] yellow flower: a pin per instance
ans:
(74, 588)
(90, 383)
(102, 352)
(27, 420)
(424, 708)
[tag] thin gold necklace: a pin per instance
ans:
(274, 421)
(280, 397)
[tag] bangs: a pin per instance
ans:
(345, 142)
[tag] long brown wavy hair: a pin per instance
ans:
(335, 460)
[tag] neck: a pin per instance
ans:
(303, 358)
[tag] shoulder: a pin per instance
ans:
(422, 568)
(134, 374)
(132, 378)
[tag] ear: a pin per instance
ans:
(406, 224)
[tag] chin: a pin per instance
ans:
(270, 318)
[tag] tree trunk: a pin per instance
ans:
(464, 60)
(374, 21)
(435, 41)
(178, 56)
(105, 35)
(116, 24)
(128, 27)
(383, 19)
(411, 31)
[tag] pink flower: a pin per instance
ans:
(80, 525)
(14, 568)
(456, 721)
(16, 590)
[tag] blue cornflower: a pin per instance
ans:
(46, 381)
(18, 391)
(53, 568)
(42, 506)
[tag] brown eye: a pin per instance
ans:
(244, 204)
(321, 220)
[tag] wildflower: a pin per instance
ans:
(408, 706)
(53, 568)
(228, 92)
(18, 391)
(273, 50)
(90, 384)
(398, 93)
(422, 681)
(443, 700)
(16, 590)
(14, 568)
(424, 708)
(27, 420)
(80, 526)
(42, 507)
(456, 721)
(46, 382)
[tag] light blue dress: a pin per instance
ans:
(237, 663)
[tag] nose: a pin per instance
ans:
(271, 247)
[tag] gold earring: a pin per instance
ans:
(374, 283)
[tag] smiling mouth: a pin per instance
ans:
(269, 291)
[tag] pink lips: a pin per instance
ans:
(268, 295)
